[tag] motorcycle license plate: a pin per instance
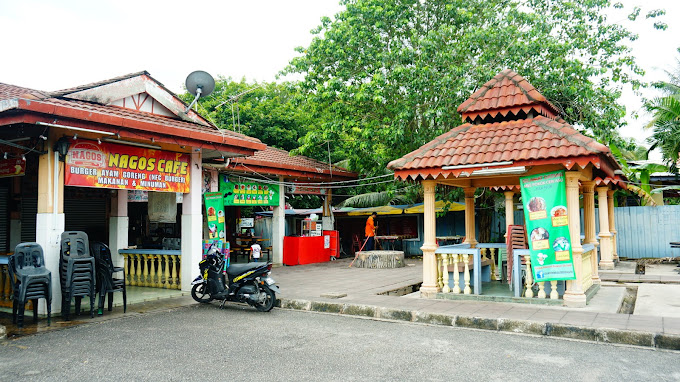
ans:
(269, 281)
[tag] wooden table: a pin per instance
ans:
(392, 242)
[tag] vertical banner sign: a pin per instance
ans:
(248, 194)
(108, 165)
(545, 212)
(214, 212)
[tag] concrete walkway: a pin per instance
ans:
(333, 287)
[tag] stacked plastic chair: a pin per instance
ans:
(30, 280)
(106, 283)
(76, 271)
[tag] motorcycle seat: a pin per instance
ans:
(237, 269)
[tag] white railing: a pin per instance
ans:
(452, 259)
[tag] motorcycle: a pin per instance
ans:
(247, 283)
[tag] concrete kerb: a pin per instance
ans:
(604, 335)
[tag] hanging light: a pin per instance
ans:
(23, 157)
(99, 141)
(61, 147)
(5, 155)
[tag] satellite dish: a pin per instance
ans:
(200, 84)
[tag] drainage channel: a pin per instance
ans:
(403, 291)
(628, 303)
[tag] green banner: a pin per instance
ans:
(248, 193)
(214, 212)
(545, 213)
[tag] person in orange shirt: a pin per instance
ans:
(371, 227)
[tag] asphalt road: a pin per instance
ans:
(201, 342)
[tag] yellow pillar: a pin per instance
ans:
(574, 295)
(612, 229)
(470, 217)
(606, 257)
(509, 210)
(589, 224)
(429, 287)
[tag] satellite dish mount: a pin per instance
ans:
(200, 84)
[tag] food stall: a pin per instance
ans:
(314, 245)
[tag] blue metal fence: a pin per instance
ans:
(647, 231)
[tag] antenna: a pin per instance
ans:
(200, 84)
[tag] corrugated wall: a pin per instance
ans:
(647, 231)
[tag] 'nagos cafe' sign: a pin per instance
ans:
(109, 165)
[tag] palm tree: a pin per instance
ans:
(666, 118)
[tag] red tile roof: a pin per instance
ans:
(33, 106)
(275, 161)
(506, 92)
(522, 142)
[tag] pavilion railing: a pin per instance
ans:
(452, 258)
(152, 268)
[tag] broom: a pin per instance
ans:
(357, 252)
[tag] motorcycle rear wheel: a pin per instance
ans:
(199, 293)
(267, 299)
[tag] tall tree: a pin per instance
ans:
(267, 111)
(386, 76)
(666, 117)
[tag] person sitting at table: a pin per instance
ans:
(370, 231)
(255, 251)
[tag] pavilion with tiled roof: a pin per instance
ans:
(511, 130)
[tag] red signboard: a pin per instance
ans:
(12, 167)
(108, 165)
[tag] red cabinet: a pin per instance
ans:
(310, 249)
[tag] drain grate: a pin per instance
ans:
(403, 291)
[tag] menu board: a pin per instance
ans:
(545, 212)
(238, 193)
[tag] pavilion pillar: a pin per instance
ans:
(606, 257)
(589, 224)
(192, 223)
(612, 229)
(429, 287)
(470, 235)
(574, 295)
(509, 210)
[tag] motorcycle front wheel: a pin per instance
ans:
(267, 299)
(200, 293)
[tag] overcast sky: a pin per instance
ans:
(51, 45)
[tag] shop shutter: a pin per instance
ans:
(87, 215)
(4, 220)
(29, 210)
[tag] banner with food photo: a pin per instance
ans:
(214, 212)
(545, 214)
(237, 193)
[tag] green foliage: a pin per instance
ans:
(666, 118)
(385, 77)
(267, 111)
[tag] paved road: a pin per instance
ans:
(201, 342)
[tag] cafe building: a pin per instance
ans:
(121, 160)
